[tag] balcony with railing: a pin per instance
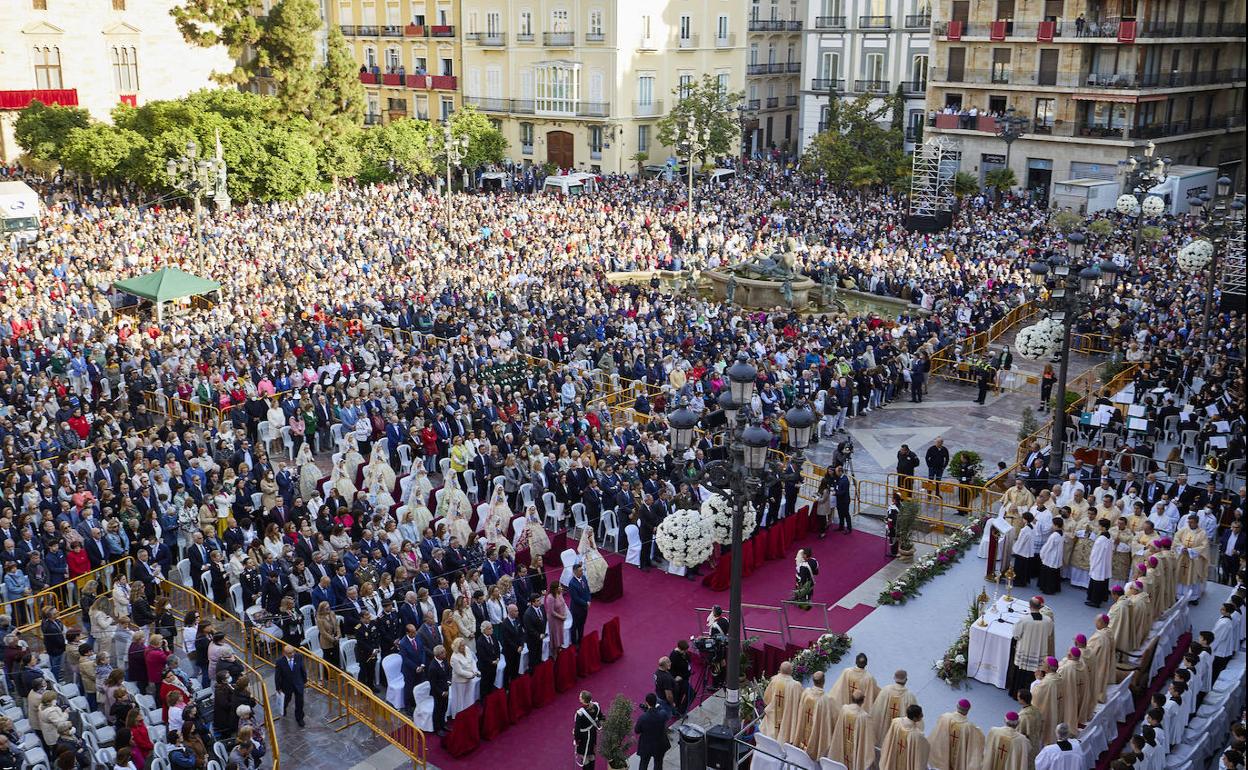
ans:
(756, 69)
(773, 102)
(415, 30)
(875, 22)
(793, 67)
(442, 30)
(688, 43)
(871, 86)
(1090, 80)
(559, 39)
(487, 39)
(648, 109)
(755, 104)
(595, 38)
(827, 84)
(392, 30)
(914, 87)
(430, 82)
(372, 118)
(726, 41)
(1084, 129)
(790, 100)
(649, 43)
(918, 20)
(829, 22)
(1098, 31)
(766, 25)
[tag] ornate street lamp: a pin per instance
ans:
(452, 149)
(1217, 223)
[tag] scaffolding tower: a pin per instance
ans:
(931, 178)
(1231, 281)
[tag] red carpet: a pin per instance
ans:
(656, 610)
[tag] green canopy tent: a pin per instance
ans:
(166, 284)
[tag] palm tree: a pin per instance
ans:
(1000, 180)
(964, 184)
(863, 177)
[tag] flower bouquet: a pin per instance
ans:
(1195, 255)
(717, 512)
(1040, 340)
(684, 538)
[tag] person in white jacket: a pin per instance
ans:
(1100, 566)
(1051, 555)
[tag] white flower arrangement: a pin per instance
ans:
(1127, 204)
(1153, 206)
(684, 538)
(1040, 340)
(1195, 255)
(718, 514)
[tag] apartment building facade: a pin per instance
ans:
(856, 47)
(409, 53)
(95, 54)
(1093, 81)
(773, 74)
(581, 84)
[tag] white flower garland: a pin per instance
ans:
(684, 538)
(1127, 204)
(1195, 255)
(1154, 206)
(1039, 340)
(718, 514)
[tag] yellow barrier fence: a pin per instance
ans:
(943, 506)
(63, 597)
(977, 343)
(351, 701)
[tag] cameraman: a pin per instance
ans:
(717, 624)
(651, 729)
(682, 670)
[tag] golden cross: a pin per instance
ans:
(1003, 751)
(953, 747)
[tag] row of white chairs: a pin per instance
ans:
(770, 754)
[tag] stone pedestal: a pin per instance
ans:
(756, 293)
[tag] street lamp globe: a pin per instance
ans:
(742, 377)
(800, 419)
(1224, 186)
(757, 440)
(681, 424)
(1074, 244)
(729, 406)
(1039, 272)
(1089, 280)
(1127, 205)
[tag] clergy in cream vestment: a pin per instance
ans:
(956, 743)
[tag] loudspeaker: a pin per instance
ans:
(721, 748)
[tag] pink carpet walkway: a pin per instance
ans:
(657, 610)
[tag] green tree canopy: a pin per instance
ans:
(712, 110)
(855, 138)
(230, 23)
(42, 129)
(338, 110)
(101, 151)
(287, 49)
(401, 143)
(964, 184)
(486, 144)
(1000, 179)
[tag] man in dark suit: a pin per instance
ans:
(430, 634)
(413, 655)
(651, 730)
(840, 488)
(489, 650)
(439, 688)
(511, 637)
(1231, 549)
(198, 554)
(534, 629)
(290, 678)
(579, 597)
(592, 500)
(650, 515)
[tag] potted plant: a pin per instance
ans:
(640, 159)
(907, 517)
(615, 743)
(965, 466)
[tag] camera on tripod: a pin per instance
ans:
(714, 647)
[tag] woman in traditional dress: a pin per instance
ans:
(309, 474)
(379, 481)
(497, 518)
(595, 565)
(352, 459)
(342, 479)
(455, 511)
(531, 534)
(556, 615)
(420, 489)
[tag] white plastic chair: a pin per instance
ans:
(610, 531)
(579, 521)
(831, 764)
(289, 442)
(526, 495)
(405, 457)
(422, 717)
(770, 754)
(184, 572)
(257, 501)
(266, 434)
(349, 663)
(470, 481)
(392, 664)
(236, 594)
(554, 512)
(444, 466)
(797, 759)
(568, 558)
(338, 433)
(633, 556)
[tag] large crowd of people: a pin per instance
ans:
(395, 405)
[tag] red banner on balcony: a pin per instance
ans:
(955, 30)
(20, 100)
(443, 82)
(414, 30)
(1126, 32)
(996, 30)
(394, 79)
(131, 100)
(1045, 31)
(368, 78)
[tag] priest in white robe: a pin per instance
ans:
(1101, 566)
(782, 696)
(856, 679)
(853, 740)
(1193, 546)
(1065, 754)
(1052, 555)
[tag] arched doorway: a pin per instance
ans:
(559, 148)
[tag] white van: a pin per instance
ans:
(721, 176)
(571, 184)
(19, 212)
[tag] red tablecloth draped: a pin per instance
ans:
(496, 717)
(558, 544)
(612, 646)
(747, 560)
(465, 734)
(719, 578)
(565, 669)
(759, 551)
(775, 542)
(803, 522)
(589, 656)
(772, 658)
(519, 697)
(543, 684)
(612, 583)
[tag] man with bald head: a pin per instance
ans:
(892, 702)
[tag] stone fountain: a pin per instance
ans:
(764, 282)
